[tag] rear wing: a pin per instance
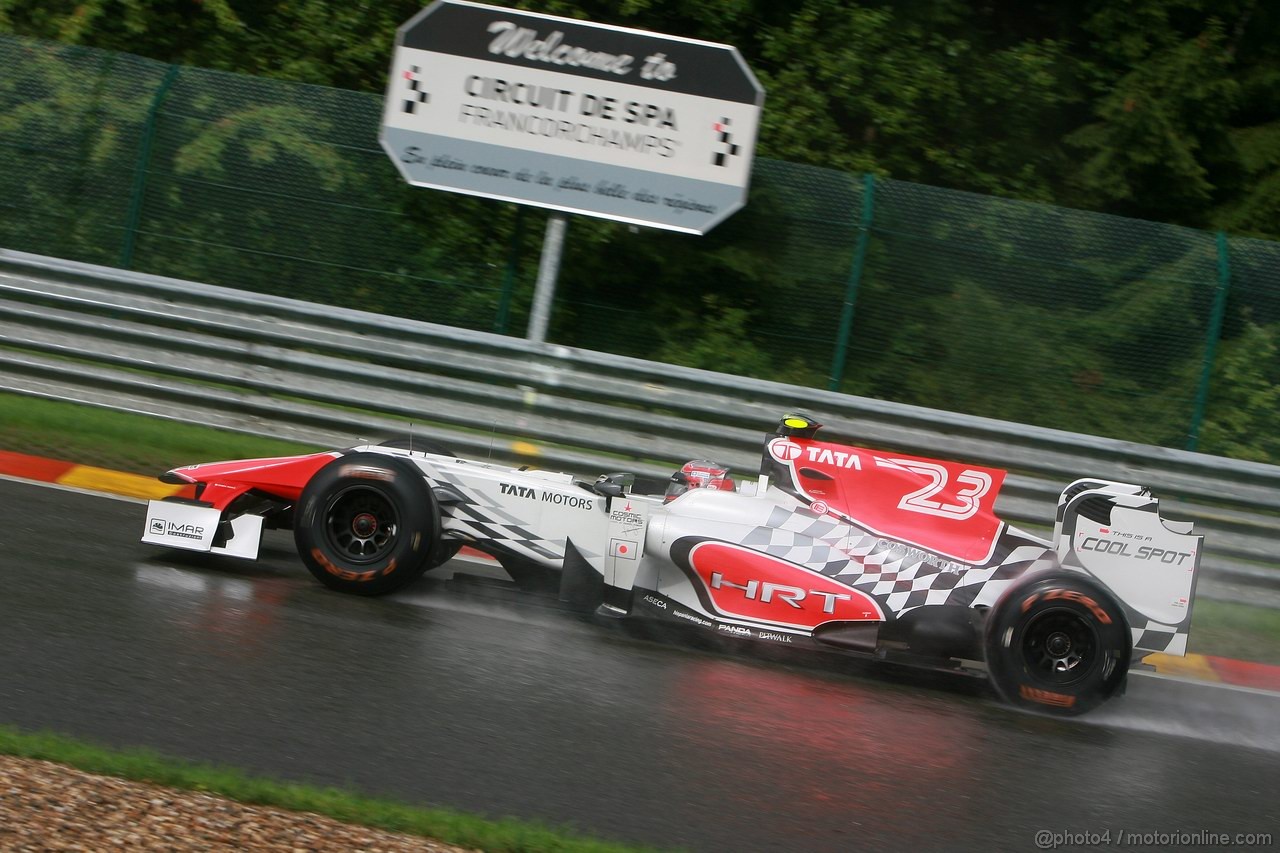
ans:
(1114, 532)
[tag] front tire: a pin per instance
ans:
(366, 524)
(1059, 645)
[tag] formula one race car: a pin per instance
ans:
(879, 555)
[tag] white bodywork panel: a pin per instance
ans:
(192, 528)
(1149, 564)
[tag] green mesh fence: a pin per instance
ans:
(71, 125)
(1007, 309)
(1058, 317)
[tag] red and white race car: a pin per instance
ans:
(879, 555)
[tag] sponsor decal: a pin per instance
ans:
(750, 585)
(162, 527)
(785, 450)
(769, 635)
(656, 602)
(557, 498)
(820, 507)
(367, 472)
(626, 515)
(1137, 537)
(623, 548)
(736, 630)
(1120, 548)
(1069, 595)
(561, 499)
(680, 614)
(1046, 697)
(901, 551)
(838, 458)
(346, 575)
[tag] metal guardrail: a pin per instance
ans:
(292, 369)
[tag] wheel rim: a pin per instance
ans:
(361, 524)
(1060, 646)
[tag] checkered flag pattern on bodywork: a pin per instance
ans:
(899, 577)
(1153, 636)
(482, 519)
(416, 94)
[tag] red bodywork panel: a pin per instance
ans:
(747, 584)
(283, 477)
(944, 507)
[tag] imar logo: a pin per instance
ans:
(165, 527)
(785, 450)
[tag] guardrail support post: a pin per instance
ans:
(1211, 340)
(548, 270)
(134, 215)
(855, 278)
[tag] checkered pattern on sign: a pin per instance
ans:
(724, 139)
(416, 94)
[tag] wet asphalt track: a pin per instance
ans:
(438, 697)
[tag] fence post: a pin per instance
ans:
(134, 215)
(1211, 340)
(509, 275)
(855, 278)
(544, 290)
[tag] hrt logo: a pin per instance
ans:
(767, 591)
(743, 583)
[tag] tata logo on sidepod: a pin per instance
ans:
(785, 450)
(751, 585)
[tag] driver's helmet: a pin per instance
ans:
(699, 474)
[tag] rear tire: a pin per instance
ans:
(1059, 645)
(366, 524)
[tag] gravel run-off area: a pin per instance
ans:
(46, 806)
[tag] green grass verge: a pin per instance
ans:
(1231, 630)
(128, 442)
(440, 824)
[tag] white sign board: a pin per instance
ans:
(568, 115)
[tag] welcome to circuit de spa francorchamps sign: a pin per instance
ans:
(573, 116)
